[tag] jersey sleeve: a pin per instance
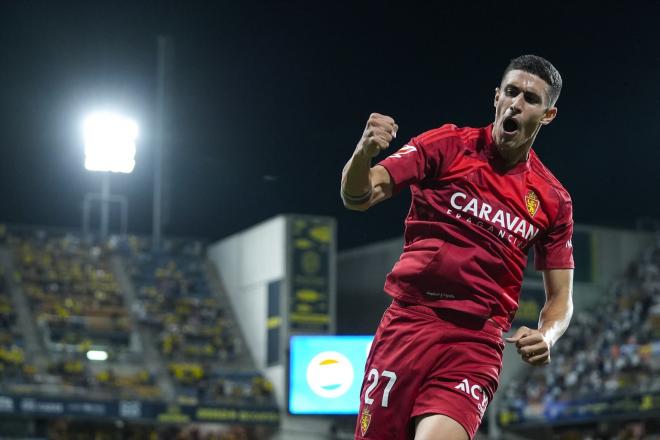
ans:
(555, 249)
(413, 162)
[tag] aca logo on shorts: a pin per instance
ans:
(476, 392)
(330, 374)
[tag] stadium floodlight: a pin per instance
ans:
(97, 355)
(109, 147)
(109, 142)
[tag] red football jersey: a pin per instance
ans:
(471, 223)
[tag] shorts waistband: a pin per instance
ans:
(457, 317)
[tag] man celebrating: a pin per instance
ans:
(481, 199)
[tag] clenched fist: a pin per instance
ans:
(532, 346)
(378, 134)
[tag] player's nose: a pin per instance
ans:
(517, 103)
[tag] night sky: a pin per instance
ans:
(269, 99)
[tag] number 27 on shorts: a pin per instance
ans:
(374, 376)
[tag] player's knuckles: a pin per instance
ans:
(385, 136)
(532, 339)
(537, 335)
(383, 144)
(381, 118)
(536, 345)
(378, 121)
(380, 131)
(377, 130)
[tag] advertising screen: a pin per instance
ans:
(325, 373)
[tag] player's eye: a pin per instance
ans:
(511, 91)
(532, 99)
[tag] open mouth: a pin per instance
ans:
(510, 125)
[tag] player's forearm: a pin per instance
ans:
(556, 315)
(360, 188)
(356, 186)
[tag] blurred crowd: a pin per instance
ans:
(191, 324)
(175, 299)
(613, 349)
(74, 296)
(204, 384)
(13, 368)
(72, 292)
(116, 380)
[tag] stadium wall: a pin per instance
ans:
(279, 277)
(247, 262)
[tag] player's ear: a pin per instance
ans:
(550, 114)
(497, 96)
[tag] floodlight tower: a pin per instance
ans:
(109, 148)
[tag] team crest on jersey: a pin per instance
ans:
(365, 420)
(532, 202)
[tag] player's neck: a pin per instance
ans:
(509, 158)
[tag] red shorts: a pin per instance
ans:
(426, 361)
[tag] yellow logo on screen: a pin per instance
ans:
(330, 374)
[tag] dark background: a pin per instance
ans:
(270, 98)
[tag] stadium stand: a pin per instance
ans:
(197, 336)
(73, 294)
(120, 298)
(175, 299)
(623, 359)
(13, 368)
(77, 306)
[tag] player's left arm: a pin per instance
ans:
(534, 345)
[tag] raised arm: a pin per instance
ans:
(534, 344)
(362, 185)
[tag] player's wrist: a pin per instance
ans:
(365, 152)
(546, 335)
(355, 198)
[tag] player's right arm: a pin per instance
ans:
(363, 186)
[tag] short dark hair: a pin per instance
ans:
(540, 67)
